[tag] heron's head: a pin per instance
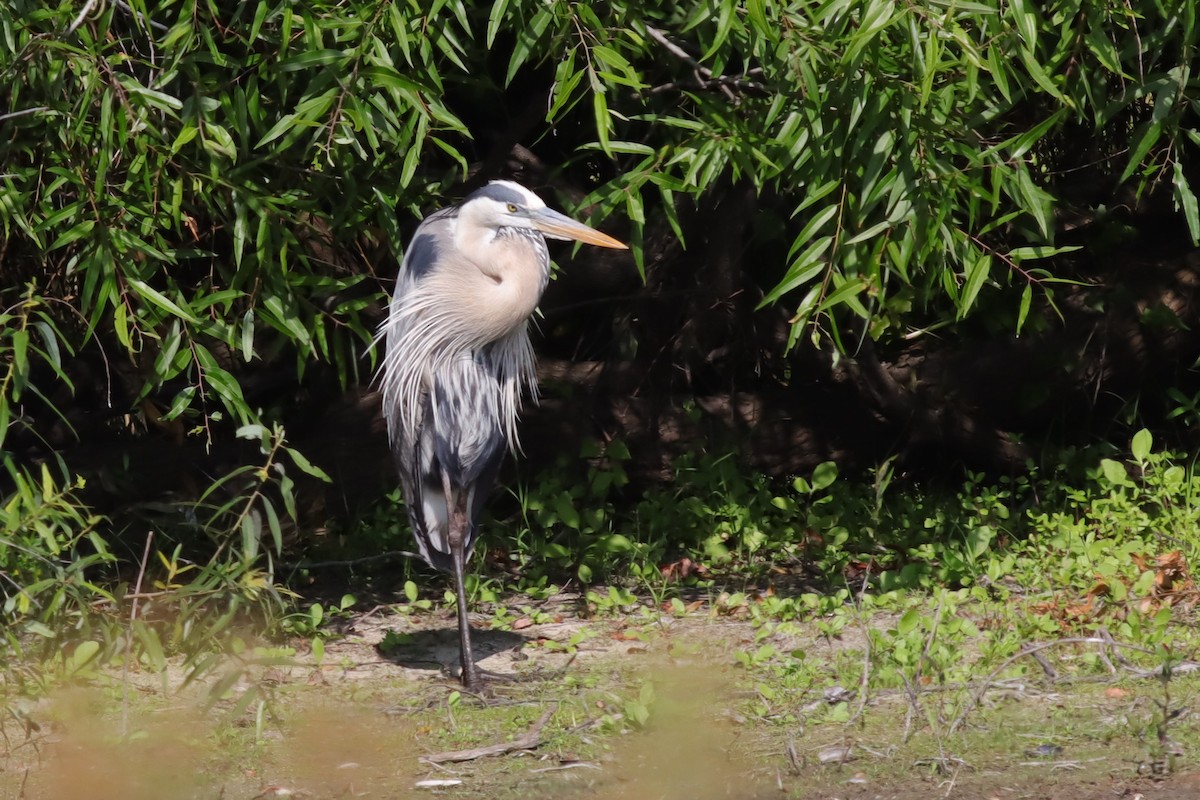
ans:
(504, 204)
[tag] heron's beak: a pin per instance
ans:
(561, 226)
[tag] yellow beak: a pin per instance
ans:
(560, 226)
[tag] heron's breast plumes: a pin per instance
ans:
(429, 336)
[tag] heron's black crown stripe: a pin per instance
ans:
(499, 193)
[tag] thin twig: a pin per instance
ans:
(953, 781)
(87, 9)
(910, 710)
(1116, 656)
(158, 26)
(133, 612)
(704, 76)
(1071, 764)
(23, 112)
(572, 765)
(528, 741)
(978, 695)
(1046, 666)
(864, 684)
(793, 757)
(678, 51)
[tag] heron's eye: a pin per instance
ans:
(512, 208)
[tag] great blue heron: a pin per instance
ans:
(459, 360)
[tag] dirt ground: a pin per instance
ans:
(363, 721)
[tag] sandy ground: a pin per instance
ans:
(358, 724)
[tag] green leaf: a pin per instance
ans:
(979, 540)
(313, 58)
(1114, 472)
(157, 298)
(600, 108)
(1021, 254)
(824, 475)
(564, 507)
(247, 339)
(1026, 21)
(273, 525)
(977, 272)
(83, 654)
(182, 400)
(616, 543)
(805, 268)
(1143, 442)
(251, 535)
(1185, 199)
(1145, 137)
(495, 18)
(307, 466)
(1023, 311)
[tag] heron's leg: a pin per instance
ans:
(470, 673)
(459, 529)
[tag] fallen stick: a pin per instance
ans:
(530, 740)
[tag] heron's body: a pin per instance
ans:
(459, 361)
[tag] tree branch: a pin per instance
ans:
(530, 740)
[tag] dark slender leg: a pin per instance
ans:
(456, 520)
(470, 673)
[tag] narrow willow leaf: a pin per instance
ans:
(247, 338)
(603, 121)
(875, 18)
(726, 16)
(1144, 137)
(317, 58)
(1043, 251)
(1026, 21)
(819, 221)
(225, 385)
(157, 298)
(260, 14)
(1185, 199)
(1023, 311)
(73, 234)
(273, 525)
(307, 466)
(1041, 77)
(50, 338)
(807, 266)
(1033, 200)
(182, 400)
(977, 273)
(251, 534)
(868, 233)
(1102, 47)
(844, 295)
(495, 18)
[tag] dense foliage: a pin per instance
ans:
(202, 202)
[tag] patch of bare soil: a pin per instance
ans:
(1067, 786)
(365, 721)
